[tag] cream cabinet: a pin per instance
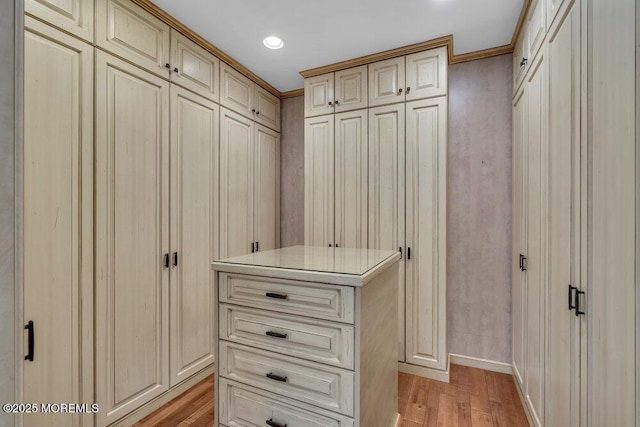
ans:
(194, 143)
(337, 92)
(72, 16)
(387, 82)
(241, 95)
(520, 60)
(249, 193)
(426, 74)
(536, 26)
(128, 31)
(57, 222)
(336, 168)
(193, 67)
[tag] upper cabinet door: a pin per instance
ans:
(553, 6)
(236, 91)
(386, 82)
(267, 184)
(128, 31)
(351, 92)
(536, 28)
(267, 108)
(426, 74)
(318, 181)
(520, 59)
(236, 184)
(318, 95)
(193, 67)
(73, 16)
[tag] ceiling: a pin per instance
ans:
(322, 32)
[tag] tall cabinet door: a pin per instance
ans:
(535, 261)
(351, 174)
(519, 242)
(562, 379)
(267, 185)
(426, 176)
(132, 237)
(387, 191)
(194, 139)
(236, 184)
(319, 181)
(58, 220)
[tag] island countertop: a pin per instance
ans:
(346, 266)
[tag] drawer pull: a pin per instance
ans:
(274, 424)
(277, 296)
(276, 334)
(275, 377)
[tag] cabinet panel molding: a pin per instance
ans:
(426, 74)
(319, 95)
(267, 109)
(193, 67)
(73, 16)
(236, 91)
(387, 82)
(351, 89)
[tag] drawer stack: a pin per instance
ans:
(286, 352)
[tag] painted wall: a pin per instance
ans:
(7, 236)
(479, 203)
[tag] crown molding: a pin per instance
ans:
(292, 93)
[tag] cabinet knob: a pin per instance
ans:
(400, 91)
(330, 103)
(258, 113)
(337, 102)
(167, 66)
(408, 90)
(175, 69)
(253, 111)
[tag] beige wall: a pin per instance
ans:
(479, 205)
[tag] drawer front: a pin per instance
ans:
(243, 406)
(289, 296)
(319, 385)
(330, 343)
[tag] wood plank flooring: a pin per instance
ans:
(473, 398)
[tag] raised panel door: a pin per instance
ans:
(386, 82)
(426, 202)
(386, 213)
(318, 95)
(351, 90)
(536, 28)
(553, 7)
(73, 16)
(132, 237)
(236, 184)
(351, 175)
(130, 32)
(58, 221)
(193, 67)
(426, 74)
(267, 108)
(520, 59)
(236, 91)
(319, 181)
(194, 142)
(267, 185)
(535, 263)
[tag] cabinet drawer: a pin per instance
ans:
(244, 406)
(319, 385)
(289, 296)
(316, 340)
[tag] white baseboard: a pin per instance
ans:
(168, 396)
(421, 371)
(524, 402)
(476, 362)
(396, 421)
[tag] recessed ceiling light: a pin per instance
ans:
(273, 42)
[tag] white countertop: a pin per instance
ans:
(318, 259)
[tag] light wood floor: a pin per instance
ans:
(473, 398)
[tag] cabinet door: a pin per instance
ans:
(386, 82)
(236, 184)
(194, 138)
(132, 237)
(318, 181)
(535, 263)
(351, 90)
(518, 292)
(553, 7)
(426, 74)
(562, 367)
(520, 59)
(351, 179)
(58, 220)
(426, 233)
(193, 67)
(267, 108)
(130, 32)
(318, 95)
(536, 28)
(387, 193)
(236, 91)
(73, 16)
(267, 185)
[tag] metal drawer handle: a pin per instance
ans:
(276, 334)
(275, 377)
(274, 424)
(277, 296)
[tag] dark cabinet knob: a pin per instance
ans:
(523, 62)
(400, 91)
(337, 102)
(330, 103)
(257, 113)
(167, 66)
(408, 90)
(253, 111)
(175, 70)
